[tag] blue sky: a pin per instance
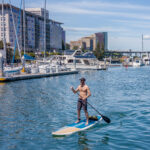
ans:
(124, 20)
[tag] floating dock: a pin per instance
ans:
(33, 76)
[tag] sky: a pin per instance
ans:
(124, 20)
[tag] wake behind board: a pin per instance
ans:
(76, 127)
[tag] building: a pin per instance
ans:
(90, 42)
(38, 11)
(75, 44)
(34, 29)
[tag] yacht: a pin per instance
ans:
(137, 63)
(146, 60)
(76, 60)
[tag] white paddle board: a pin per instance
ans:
(76, 127)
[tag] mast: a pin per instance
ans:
(44, 29)
(4, 39)
(14, 25)
(142, 43)
(24, 27)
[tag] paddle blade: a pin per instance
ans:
(106, 119)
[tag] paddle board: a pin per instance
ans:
(76, 127)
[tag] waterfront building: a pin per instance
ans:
(34, 29)
(91, 41)
(38, 11)
(77, 44)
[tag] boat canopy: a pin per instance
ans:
(27, 57)
(68, 52)
(86, 55)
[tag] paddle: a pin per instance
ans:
(106, 119)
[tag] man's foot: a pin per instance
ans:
(77, 121)
(87, 123)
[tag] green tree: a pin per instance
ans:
(67, 46)
(99, 51)
(75, 47)
(9, 55)
(1, 44)
(82, 48)
(102, 52)
(63, 45)
(17, 56)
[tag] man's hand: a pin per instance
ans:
(83, 98)
(72, 88)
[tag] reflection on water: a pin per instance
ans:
(1, 83)
(83, 140)
(105, 139)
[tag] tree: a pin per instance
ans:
(75, 47)
(1, 44)
(67, 46)
(63, 45)
(99, 51)
(9, 55)
(102, 52)
(82, 48)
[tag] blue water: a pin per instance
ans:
(31, 109)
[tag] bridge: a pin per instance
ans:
(128, 53)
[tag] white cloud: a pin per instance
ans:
(146, 37)
(102, 29)
(133, 23)
(73, 9)
(97, 8)
(105, 5)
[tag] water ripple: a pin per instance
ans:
(30, 110)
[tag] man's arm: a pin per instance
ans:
(88, 92)
(75, 91)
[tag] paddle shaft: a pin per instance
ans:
(95, 109)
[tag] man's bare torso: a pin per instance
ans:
(83, 90)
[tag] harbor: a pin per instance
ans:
(74, 75)
(30, 110)
(34, 76)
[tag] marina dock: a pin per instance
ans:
(33, 76)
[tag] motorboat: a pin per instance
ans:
(137, 63)
(76, 60)
(146, 60)
(9, 70)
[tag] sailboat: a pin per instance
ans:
(44, 67)
(10, 70)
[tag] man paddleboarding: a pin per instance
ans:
(84, 93)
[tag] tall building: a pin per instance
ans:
(34, 27)
(91, 42)
(38, 11)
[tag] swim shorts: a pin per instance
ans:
(82, 103)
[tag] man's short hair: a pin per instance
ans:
(82, 79)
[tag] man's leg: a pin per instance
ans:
(78, 112)
(87, 117)
(79, 105)
(86, 112)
